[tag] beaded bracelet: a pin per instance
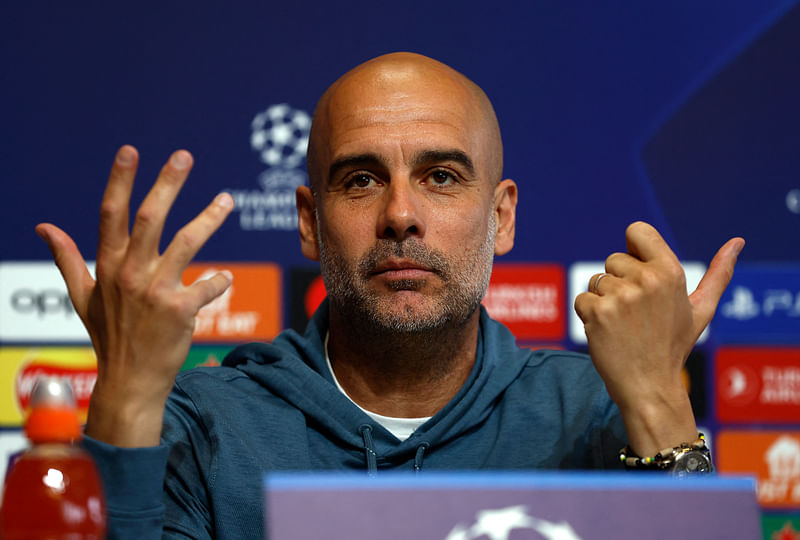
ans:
(662, 460)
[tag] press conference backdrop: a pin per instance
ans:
(683, 114)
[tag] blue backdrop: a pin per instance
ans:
(684, 114)
(592, 99)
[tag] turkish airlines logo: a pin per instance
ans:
(739, 385)
(758, 384)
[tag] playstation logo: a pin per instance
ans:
(742, 306)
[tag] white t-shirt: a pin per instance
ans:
(402, 428)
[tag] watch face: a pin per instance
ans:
(692, 461)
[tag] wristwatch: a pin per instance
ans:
(681, 460)
(690, 460)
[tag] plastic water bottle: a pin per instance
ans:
(53, 490)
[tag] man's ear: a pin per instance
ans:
(307, 222)
(505, 209)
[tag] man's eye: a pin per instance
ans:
(360, 181)
(442, 178)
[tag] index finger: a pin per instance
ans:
(116, 200)
(646, 244)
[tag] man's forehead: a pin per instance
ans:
(396, 72)
(361, 118)
(410, 128)
(367, 105)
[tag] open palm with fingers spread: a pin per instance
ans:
(138, 313)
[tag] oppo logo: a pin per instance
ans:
(41, 302)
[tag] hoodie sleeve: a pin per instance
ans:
(159, 492)
(133, 479)
(606, 436)
(188, 469)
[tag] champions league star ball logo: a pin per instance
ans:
(498, 524)
(280, 135)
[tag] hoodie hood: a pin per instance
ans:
(294, 368)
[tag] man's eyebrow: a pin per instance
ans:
(354, 160)
(436, 156)
(422, 158)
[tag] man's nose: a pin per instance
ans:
(402, 212)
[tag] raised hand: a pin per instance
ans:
(138, 313)
(641, 326)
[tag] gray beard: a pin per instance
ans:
(465, 282)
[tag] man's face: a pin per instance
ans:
(405, 214)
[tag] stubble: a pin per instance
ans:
(464, 280)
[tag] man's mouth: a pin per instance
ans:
(400, 269)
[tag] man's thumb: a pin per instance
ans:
(705, 298)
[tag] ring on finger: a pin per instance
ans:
(595, 289)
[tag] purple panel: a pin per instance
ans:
(462, 513)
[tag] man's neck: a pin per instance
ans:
(406, 375)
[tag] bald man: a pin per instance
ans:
(400, 368)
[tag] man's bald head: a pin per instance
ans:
(390, 81)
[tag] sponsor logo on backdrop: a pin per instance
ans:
(21, 366)
(783, 463)
(758, 384)
(780, 527)
(529, 299)
(498, 525)
(581, 272)
(306, 292)
(314, 296)
(81, 379)
(279, 136)
(739, 385)
(744, 306)
(772, 456)
(761, 305)
(35, 306)
(249, 310)
(793, 201)
(205, 356)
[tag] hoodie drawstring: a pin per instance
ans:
(420, 455)
(372, 458)
(369, 451)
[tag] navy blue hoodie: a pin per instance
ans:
(274, 407)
